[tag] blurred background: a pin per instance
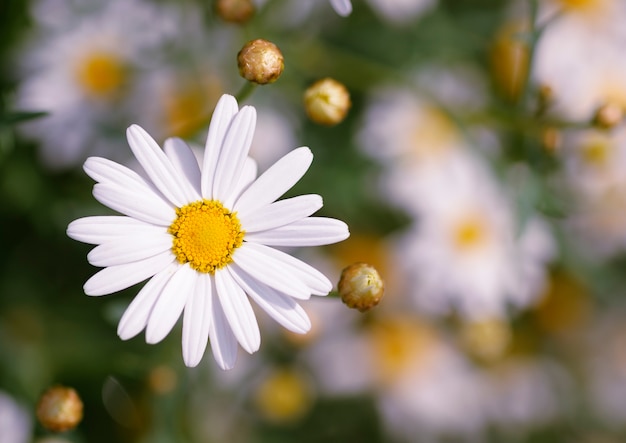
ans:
(481, 168)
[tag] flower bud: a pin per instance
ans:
(487, 339)
(609, 115)
(360, 286)
(260, 61)
(327, 102)
(235, 11)
(60, 409)
(510, 58)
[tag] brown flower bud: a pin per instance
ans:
(609, 115)
(510, 55)
(360, 286)
(60, 409)
(260, 61)
(327, 102)
(235, 11)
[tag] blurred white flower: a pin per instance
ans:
(15, 421)
(580, 56)
(524, 393)
(422, 384)
(205, 238)
(468, 250)
(595, 174)
(402, 11)
(85, 72)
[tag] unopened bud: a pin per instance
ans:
(235, 11)
(510, 56)
(60, 409)
(551, 139)
(486, 339)
(360, 286)
(260, 61)
(327, 102)
(609, 115)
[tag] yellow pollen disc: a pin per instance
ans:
(101, 74)
(597, 152)
(469, 233)
(205, 235)
(580, 4)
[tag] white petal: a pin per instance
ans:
(233, 155)
(281, 213)
(280, 307)
(342, 7)
(269, 271)
(238, 311)
(116, 278)
(247, 177)
(274, 182)
(136, 316)
(311, 231)
(145, 206)
(100, 229)
(196, 321)
(223, 341)
(129, 249)
(185, 162)
(223, 115)
(103, 170)
(297, 269)
(170, 304)
(172, 185)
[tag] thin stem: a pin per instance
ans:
(246, 90)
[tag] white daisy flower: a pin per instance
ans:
(342, 7)
(84, 72)
(467, 250)
(204, 236)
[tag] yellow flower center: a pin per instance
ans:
(101, 75)
(283, 396)
(580, 4)
(400, 346)
(205, 235)
(596, 152)
(469, 233)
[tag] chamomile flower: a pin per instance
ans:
(204, 238)
(83, 70)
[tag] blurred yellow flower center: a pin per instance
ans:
(283, 396)
(187, 106)
(205, 235)
(401, 346)
(487, 339)
(469, 233)
(434, 134)
(580, 4)
(596, 153)
(101, 74)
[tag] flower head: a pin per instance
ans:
(203, 236)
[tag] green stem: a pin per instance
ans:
(246, 90)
